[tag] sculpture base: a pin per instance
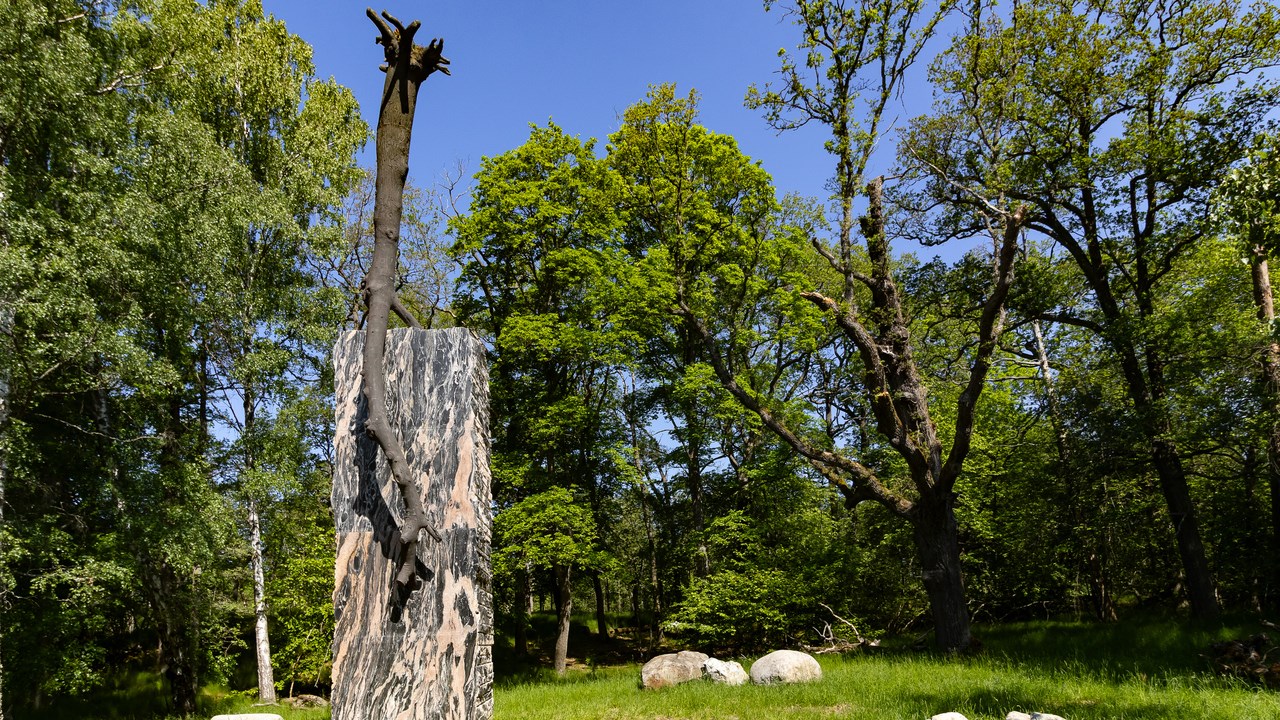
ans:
(424, 654)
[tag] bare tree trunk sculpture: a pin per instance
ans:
(407, 66)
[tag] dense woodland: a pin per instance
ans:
(722, 414)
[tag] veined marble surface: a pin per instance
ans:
(426, 656)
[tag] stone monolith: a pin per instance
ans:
(423, 653)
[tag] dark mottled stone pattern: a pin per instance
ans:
(427, 657)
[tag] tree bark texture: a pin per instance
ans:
(523, 608)
(426, 653)
(176, 629)
(261, 639)
(1177, 493)
(937, 541)
(602, 617)
(564, 612)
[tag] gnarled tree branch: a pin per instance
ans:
(407, 66)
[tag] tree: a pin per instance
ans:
(844, 44)
(1120, 119)
(121, 225)
(550, 531)
(298, 538)
(685, 187)
(1249, 202)
(542, 279)
(253, 334)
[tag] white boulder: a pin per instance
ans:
(672, 669)
(785, 666)
(249, 716)
(725, 673)
(949, 716)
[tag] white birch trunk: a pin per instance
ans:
(261, 641)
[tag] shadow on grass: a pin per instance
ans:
(994, 702)
(132, 695)
(144, 695)
(1152, 646)
(588, 654)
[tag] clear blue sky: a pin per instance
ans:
(579, 63)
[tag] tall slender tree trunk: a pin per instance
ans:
(1264, 300)
(1147, 390)
(1177, 493)
(693, 475)
(655, 580)
(524, 606)
(564, 610)
(171, 595)
(261, 639)
(1142, 363)
(176, 642)
(602, 618)
(655, 626)
(262, 642)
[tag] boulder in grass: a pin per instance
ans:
(949, 716)
(1015, 715)
(785, 666)
(725, 673)
(306, 701)
(249, 716)
(672, 669)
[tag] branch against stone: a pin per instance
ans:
(407, 66)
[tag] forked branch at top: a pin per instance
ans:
(396, 40)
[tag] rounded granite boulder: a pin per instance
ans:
(785, 666)
(672, 669)
(724, 673)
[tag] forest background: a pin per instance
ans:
(723, 410)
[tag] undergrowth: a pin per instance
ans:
(1145, 669)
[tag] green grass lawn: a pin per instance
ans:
(897, 688)
(1137, 670)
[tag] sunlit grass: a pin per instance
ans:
(884, 688)
(1144, 670)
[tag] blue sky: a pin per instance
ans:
(577, 62)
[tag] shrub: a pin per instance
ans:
(740, 611)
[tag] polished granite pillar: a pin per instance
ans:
(425, 654)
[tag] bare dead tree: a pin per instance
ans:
(407, 66)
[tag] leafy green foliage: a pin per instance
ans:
(736, 610)
(153, 232)
(546, 530)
